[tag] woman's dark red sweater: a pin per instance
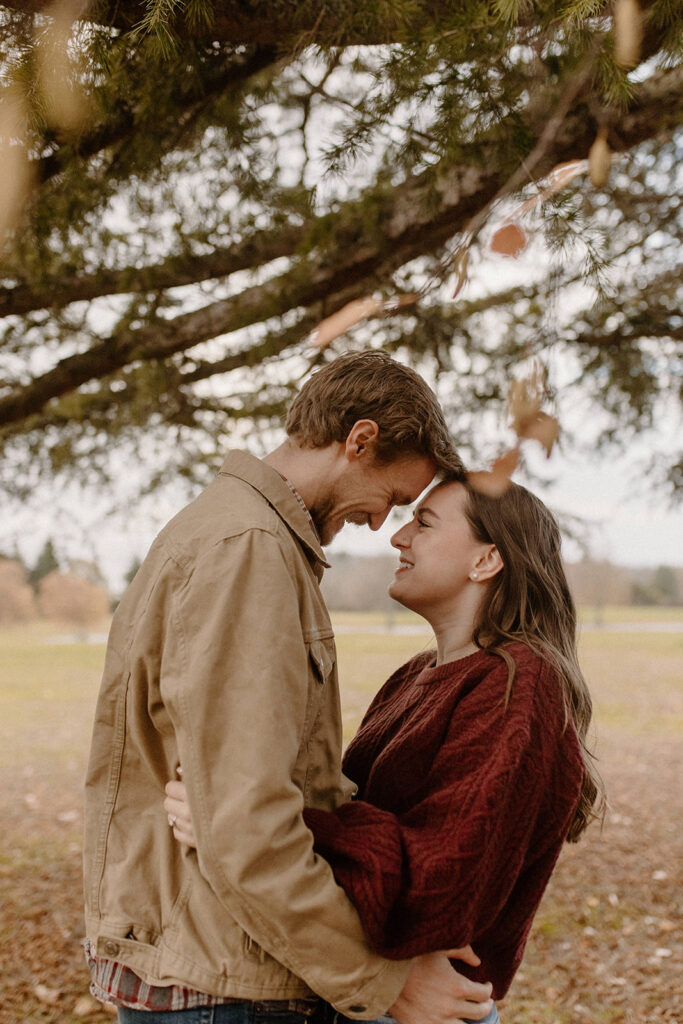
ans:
(463, 806)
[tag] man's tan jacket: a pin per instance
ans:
(221, 658)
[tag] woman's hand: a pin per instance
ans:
(178, 811)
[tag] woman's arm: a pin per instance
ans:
(439, 873)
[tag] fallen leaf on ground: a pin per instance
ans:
(85, 1006)
(46, 995)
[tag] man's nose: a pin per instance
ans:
(377, 519)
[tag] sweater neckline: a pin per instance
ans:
(431, 672)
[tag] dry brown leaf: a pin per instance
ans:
(563, 173)
(460, 270)
(85, 1006)
(524, 403)
(65, 104)
(349, 315)
(15, 169)
(628, 32)
(525, 399)
(495, 482)
(543, 428)
(353, 312)
(46, 995)
(509, 240)
(599, 161)
(395, 302)
(556, 180)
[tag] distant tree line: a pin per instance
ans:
(360, 584)
(76, 596)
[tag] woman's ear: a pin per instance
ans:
(488, 565)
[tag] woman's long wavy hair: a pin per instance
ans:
(529, 600)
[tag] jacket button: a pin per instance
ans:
(111, 948)
(357, 1009)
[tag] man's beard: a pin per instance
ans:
(322, 516)
(329, 524)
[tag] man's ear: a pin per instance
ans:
(361, 439)
(488, 564)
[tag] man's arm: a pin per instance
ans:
(237, 691)
(434, 993)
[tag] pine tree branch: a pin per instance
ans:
(299, 22)
(176, 270)
(124, 124)
(336, 23)
(418, 217)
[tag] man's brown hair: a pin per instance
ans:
(373, 386)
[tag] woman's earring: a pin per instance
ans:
(474, 575)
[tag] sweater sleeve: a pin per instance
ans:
(439, 873)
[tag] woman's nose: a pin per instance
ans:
(401, 538)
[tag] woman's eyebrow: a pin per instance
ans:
(422, 510)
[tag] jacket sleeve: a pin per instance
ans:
(438, 874)
(237, 691)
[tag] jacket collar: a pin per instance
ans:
(268, 482)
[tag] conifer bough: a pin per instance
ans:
(246, 171)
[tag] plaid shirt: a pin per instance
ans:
(115, 983)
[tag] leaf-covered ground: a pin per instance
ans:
(607, 945)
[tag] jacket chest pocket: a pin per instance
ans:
(322, 657)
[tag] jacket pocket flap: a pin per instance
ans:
(322, 654)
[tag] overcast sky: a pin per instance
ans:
(625, 525)
(625, 521)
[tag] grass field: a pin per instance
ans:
(606, 945)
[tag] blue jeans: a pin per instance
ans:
(490, 1018)
(228, 1013)
(338, 1018)
(251, 1013)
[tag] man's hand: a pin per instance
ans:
(435, 993)
(178, 811)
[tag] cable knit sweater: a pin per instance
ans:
(462, 808)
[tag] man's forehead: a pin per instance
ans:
(410, 481)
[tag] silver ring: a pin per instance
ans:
(172, 820)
